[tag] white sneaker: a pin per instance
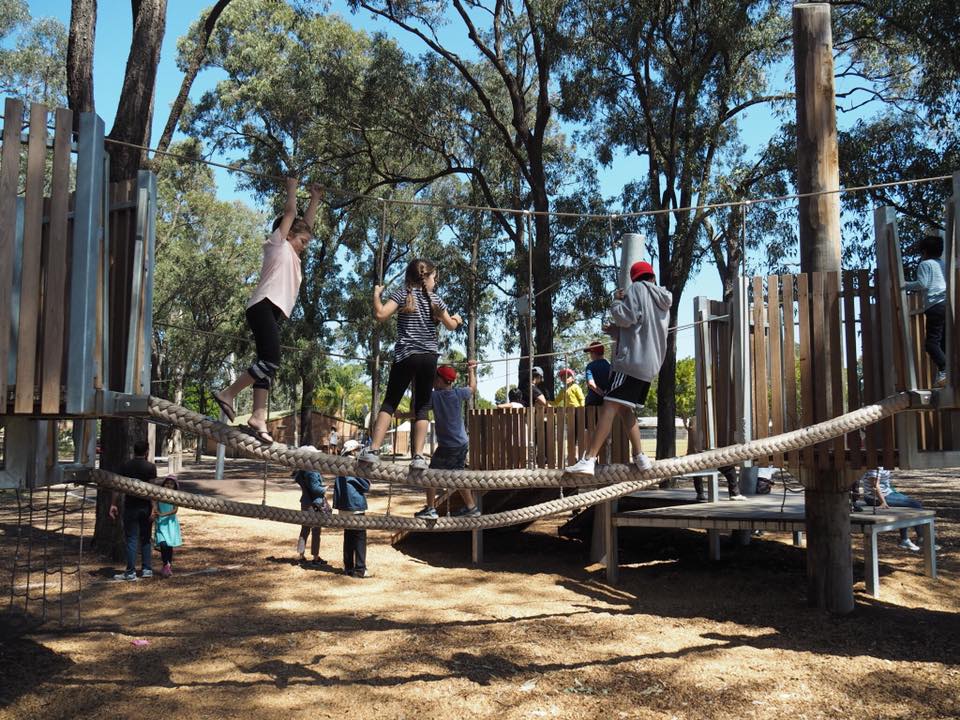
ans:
(738, 498)
(941, 380)
(368, 456)
(419, 462)
(642, 462)
(908, 544)
(301, 547)
(583, 466)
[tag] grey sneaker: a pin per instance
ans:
(642, 462)
(941, 380)
(419, 462)
(428, 513)
(369, 456)
(466, 512)
(908, 545)
(147, 573)
(129, 576)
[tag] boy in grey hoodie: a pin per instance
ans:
(640, 317)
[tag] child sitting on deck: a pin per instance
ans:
(451, 453)
(640, 316)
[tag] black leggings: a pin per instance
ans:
(166, 553)
(936, 340)
(264, 321)
(422, 369)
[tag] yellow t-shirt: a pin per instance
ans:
(570, 396)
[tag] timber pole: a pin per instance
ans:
(829, 557)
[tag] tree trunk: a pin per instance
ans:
(196, 61)
(135, 109)
(306, 408)
(80, 44)
(543, 276)
(667, 395)
(829, 558)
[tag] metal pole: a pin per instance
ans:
(531, 444)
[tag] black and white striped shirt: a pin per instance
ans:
(416, 332)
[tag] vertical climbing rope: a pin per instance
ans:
(266, 463)
(83, 513)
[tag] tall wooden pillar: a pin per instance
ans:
(829, 559)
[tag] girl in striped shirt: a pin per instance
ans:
(414, 355)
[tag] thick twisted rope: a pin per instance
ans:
(529, 478)
(372, 522)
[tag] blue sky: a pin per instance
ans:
(112, 44)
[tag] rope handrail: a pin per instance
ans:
(524, 478)
(626, 480)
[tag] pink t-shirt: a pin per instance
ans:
(279, 276)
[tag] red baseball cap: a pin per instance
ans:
(447, 373)
(596, 347)
(639, 269)
(566, 371)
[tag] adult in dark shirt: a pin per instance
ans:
(526, 389)
(137, 513)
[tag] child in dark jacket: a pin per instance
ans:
(311, 498)
(349, 498)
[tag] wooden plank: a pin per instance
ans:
(761, 427)
(9, 181)
(887, 427)
(853, 381)
(819, 362)
(55, 305)
(791, 420)
(836, 363)
(776, 366)
(806, 369)
(870, 364)
(30, 284)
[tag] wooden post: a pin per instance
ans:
(829, 560)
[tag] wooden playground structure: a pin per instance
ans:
(787, 353)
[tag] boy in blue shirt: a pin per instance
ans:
(451, 452)
(597, 374)
(349, 498)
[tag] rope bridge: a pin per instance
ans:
(616, 480)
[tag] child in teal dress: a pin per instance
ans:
(167, 528)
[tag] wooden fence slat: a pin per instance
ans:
(30, 267)
(761, 426)
(776, 366)
(791, 421)
(887, 426)
(870, 363)
(835, 369)
(806, 370)
(9, 181)
(55, 305)
(853, 382)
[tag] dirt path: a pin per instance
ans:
(242, 630)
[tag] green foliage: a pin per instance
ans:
(207, 255)
(686, 393)
(33, 65)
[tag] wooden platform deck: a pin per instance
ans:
(763, 512)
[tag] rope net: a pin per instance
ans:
(616, 480)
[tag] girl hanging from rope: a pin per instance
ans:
(414, 356)
(272, 300)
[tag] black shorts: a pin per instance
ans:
(627, 390)
(449, 458)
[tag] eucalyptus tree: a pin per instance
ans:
(667, 82)
(509, 68)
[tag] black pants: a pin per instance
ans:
(729, 473)
(166, 553)
(421, 369)
(936, 342)
(354, 551)
(136, 529)
(264, 321)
